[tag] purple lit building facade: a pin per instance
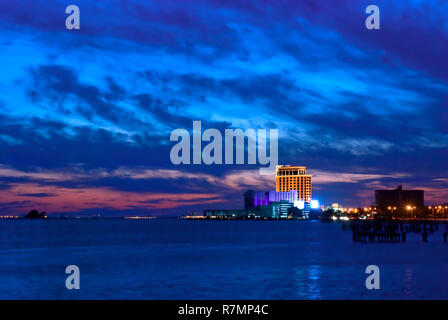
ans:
(254, 199)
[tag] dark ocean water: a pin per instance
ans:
(178, 259)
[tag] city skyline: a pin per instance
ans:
(86, 115)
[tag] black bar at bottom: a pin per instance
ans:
(223, 309)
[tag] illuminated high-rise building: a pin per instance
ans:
(289, 178)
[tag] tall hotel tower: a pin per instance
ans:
(289, 178)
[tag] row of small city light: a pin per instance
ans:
(408, 207)
(356, 210)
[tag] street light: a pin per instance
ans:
(409, 208)
(432, 210)
(392, 209)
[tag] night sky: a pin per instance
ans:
(85, 115)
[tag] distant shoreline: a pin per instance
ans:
(81, 218)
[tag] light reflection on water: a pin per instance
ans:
(307, 279)
(407, 281)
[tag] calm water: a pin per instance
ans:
(177, 259)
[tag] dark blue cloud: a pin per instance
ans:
(106, 97)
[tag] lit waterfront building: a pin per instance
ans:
(399, 198)
(264, 198)
(336, 206)
(292, 197)
(293, 178)
(281, 208)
